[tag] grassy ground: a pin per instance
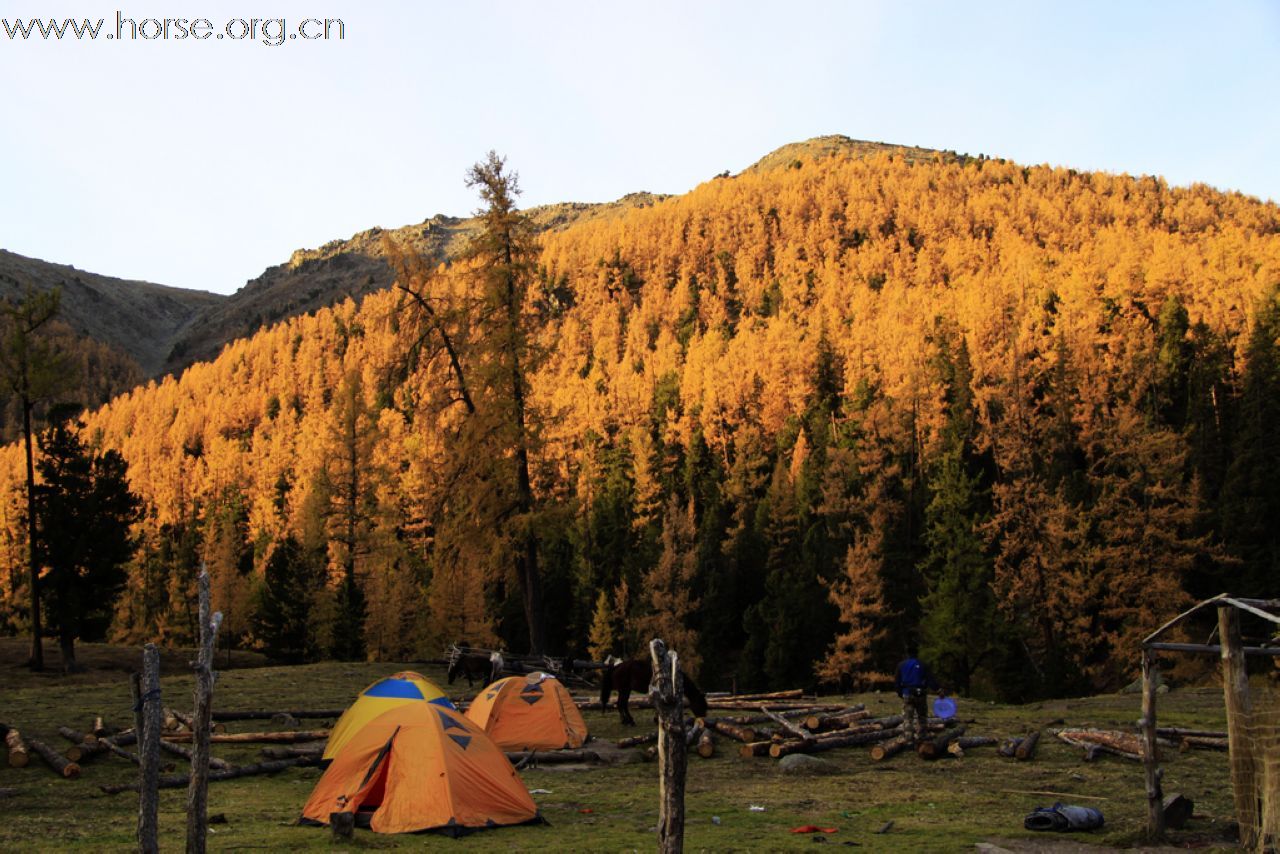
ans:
(946, 805)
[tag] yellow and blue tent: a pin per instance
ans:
(382, 696)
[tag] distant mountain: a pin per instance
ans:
(315, 278)
(138, 319)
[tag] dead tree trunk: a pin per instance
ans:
(149, 751)
(666, 692)
(200, 722)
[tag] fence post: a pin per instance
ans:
(666, 690)
(149, 752)
(202, 720)
(1235, 689)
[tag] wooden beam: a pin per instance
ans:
(1235, 689)
(1210, 647)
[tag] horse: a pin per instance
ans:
(473, 665)
(635, 675)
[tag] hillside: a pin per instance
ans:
(794, 417)
(137, 318)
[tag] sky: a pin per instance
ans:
(198, 163)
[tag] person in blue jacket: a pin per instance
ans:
(913, 682)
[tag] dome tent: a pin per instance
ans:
(533, 712)
(417, 767)
(390, 693)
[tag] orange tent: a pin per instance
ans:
(421, 766)
(534, 712)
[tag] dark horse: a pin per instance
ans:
(635, 675)
(472, 665)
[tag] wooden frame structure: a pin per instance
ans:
(1235, 689)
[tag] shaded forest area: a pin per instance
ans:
(788, 420)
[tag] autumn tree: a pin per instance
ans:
(668, 586)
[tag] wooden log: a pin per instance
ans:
(831, 742)
(83, 746)
(260, 715)
(743, 734)
(1009, 747)
(1235, 691)
(792, 694)
(293, 752)
(343, 825)
(934, 747)
(290, 737)
(1026, 751)
(795, 729)
(637, 740)
(552, 757)
(706, 744)
(1178, 733)
(755, 748)
(187, 754)
(666, 692)
(960, 745)
(19, 755)
(1195, 742)
(55, 760)
(100, 728)
(887, 749)
(835, 720)
(181, 781)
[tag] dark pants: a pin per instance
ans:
(915, 713)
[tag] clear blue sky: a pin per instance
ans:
(199, 164)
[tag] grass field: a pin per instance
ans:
(945, 805)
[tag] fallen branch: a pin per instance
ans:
(180, 781)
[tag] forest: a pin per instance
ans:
(788, 421)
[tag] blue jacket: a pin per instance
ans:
(913, 674)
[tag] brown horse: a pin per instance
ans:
(635, 675)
